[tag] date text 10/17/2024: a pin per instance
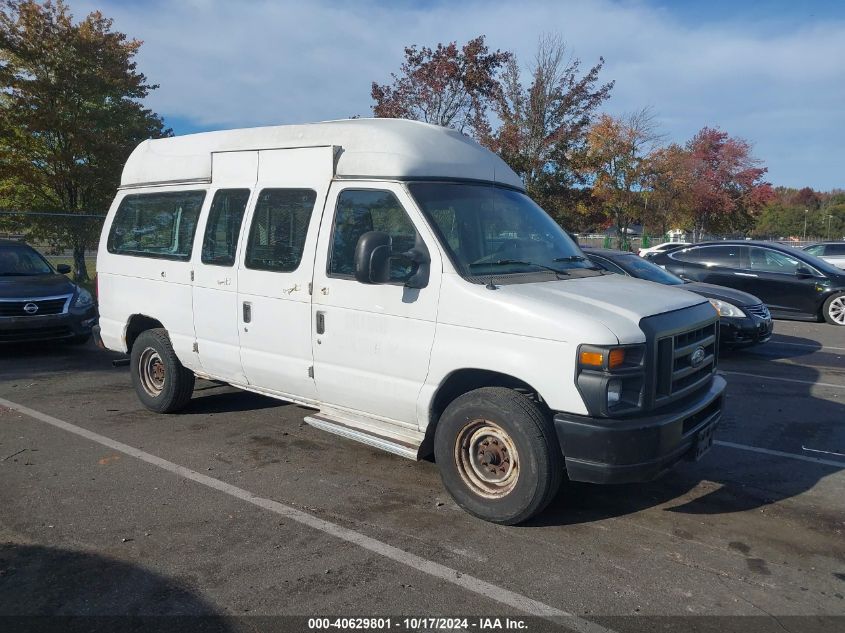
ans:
(480, 623)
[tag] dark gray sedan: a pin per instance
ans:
(37, 301)
(744, 319)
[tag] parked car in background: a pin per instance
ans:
(660, 248)
(793, 283)
(37, 301)
(743, 318)
(831, 252)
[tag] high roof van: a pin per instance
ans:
(395, 277)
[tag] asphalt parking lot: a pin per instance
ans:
(237, 508)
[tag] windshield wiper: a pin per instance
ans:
(570, 258)
(518, 262)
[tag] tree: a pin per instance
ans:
(70, 114)
(618, 158)
(446, 86)
(725, 186)
(785, 214)
(543, 126)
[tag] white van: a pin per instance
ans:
(395, 277)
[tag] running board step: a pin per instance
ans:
(405, 447)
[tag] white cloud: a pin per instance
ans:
(228, 64)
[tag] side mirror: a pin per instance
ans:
(63, 269)
(372, 258)
(803, 271)
(373, 255)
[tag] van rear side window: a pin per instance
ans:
(159, 225)
(279, 227)
(224, 226)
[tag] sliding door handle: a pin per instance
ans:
(247, 312)
(321, 322)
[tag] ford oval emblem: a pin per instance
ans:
(697, 357)
(30, 308)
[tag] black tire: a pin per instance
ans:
(832, 310)
(162, 383)
(459, 448)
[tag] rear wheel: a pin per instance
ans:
(162, 383)
(498, 455)
(833, 309)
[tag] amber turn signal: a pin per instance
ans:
(592, 359)
(616, 358)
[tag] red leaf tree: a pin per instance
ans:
(448, 85)
(724, 182)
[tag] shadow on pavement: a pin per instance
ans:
(783, 346)
(47, 581)
(22, 361)
(214, 398)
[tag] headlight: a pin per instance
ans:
(614, 392)
(726, 309)
(83, 298)
(611, 379)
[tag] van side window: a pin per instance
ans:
(223, 227)
(362, 210)
(160, 225)
(279, 227)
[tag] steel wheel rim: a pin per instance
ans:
(151, 371)
(836, 310)
(487, 459)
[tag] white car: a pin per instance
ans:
(831, 252)
(394, 276)
(660, 248)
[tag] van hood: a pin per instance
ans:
(602, 310)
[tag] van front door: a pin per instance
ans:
(372, 343)
(276, 267)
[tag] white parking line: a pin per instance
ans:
(818, 348)
(465, 581)
(801, 382)
(767, 451)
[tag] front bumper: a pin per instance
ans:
(607, 450)
(70, 325)
(744, 331)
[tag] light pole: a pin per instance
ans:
(829, 218)
(805, 225)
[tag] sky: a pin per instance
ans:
(772, 73)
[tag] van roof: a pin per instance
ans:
(364, 148)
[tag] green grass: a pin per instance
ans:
(91, 264)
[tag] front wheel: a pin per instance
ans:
(833, 309)
(162, 383)
(498, 455)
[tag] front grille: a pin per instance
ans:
(760, 310)
(18, 307)
(685, 362)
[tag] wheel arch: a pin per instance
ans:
(461, 381)
(136, 324)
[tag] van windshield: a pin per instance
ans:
(493, 231)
